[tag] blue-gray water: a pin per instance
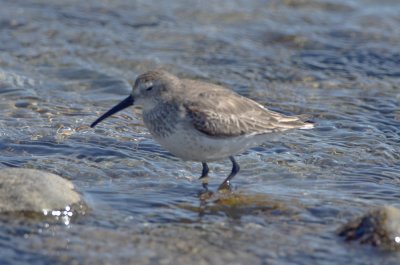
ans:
(63, 63)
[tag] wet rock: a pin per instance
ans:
(30, 190)
(380, 227)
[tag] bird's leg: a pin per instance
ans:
(235, 169)
(204, 175)
(205, 171)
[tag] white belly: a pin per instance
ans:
(196, 146)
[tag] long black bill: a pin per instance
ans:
(122, 105)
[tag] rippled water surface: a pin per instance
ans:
(63, 63)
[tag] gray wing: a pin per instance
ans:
(223, 113)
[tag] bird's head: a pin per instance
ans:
(149, 89)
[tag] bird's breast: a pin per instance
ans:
(162, 120)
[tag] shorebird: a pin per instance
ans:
(200, 121)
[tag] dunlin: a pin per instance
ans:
(200, 121)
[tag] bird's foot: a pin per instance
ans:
(204, 176)
(204, 181)
(205, 193)
(225, 187)
(205, 185)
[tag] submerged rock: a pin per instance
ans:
(30, 190)
(380, 227)
(238, 204)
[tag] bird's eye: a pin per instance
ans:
(149, 88)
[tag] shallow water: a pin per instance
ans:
(63, 64)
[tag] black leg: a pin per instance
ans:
(235, 169)
(205, 171)
(204, 176)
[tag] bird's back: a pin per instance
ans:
(219, 112)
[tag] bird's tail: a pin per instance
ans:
(308, 123)
(302, 122)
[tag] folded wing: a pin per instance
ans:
(223, 113)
